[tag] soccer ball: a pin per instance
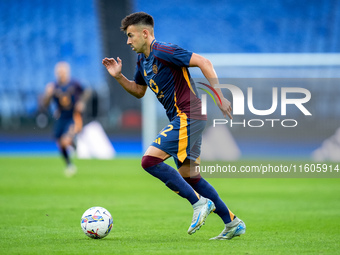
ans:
(96, 222)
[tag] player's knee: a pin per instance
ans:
(149, 161)
(65, 141)
(193, 179)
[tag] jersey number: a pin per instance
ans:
(154, 86)
(163, 133)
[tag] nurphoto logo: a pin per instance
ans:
(239, 105)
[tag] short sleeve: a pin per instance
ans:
(78, 90)
(181, 57)
(173, 54)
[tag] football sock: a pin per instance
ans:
(65, 156)
(205, 189)
(172, 179)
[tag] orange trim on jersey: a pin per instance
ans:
(152, 43)
(198, 160)
(183, 134)
(177, 109)
(186, 77)
(182, 138)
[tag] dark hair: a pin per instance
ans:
(137, 18)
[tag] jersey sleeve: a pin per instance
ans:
(173, 54)
(79, 87)
(78, 90)
(181, 57)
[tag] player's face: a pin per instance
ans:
(62, 72)
(136, 39)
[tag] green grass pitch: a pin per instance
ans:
(40, 211)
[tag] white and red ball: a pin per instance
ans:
(96, 222)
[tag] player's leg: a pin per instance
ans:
(171, 142)
(59, 130)
(63, 150)
(233, 225)
(152, 162)
(204, 188)
(65, 139)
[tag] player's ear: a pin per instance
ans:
(145, 33)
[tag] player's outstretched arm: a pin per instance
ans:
(115, 70)
(81, 103)
(209, 72)
(49, 90)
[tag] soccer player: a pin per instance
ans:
(70, 98)
(163, 67)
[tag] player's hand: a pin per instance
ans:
(113, 67)
(225, 107)
(49, 89)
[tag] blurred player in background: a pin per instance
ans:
(70, 98)
(164, 68)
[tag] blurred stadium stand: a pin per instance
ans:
(234, 26)
(35, 34)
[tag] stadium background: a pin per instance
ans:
(35, 34)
